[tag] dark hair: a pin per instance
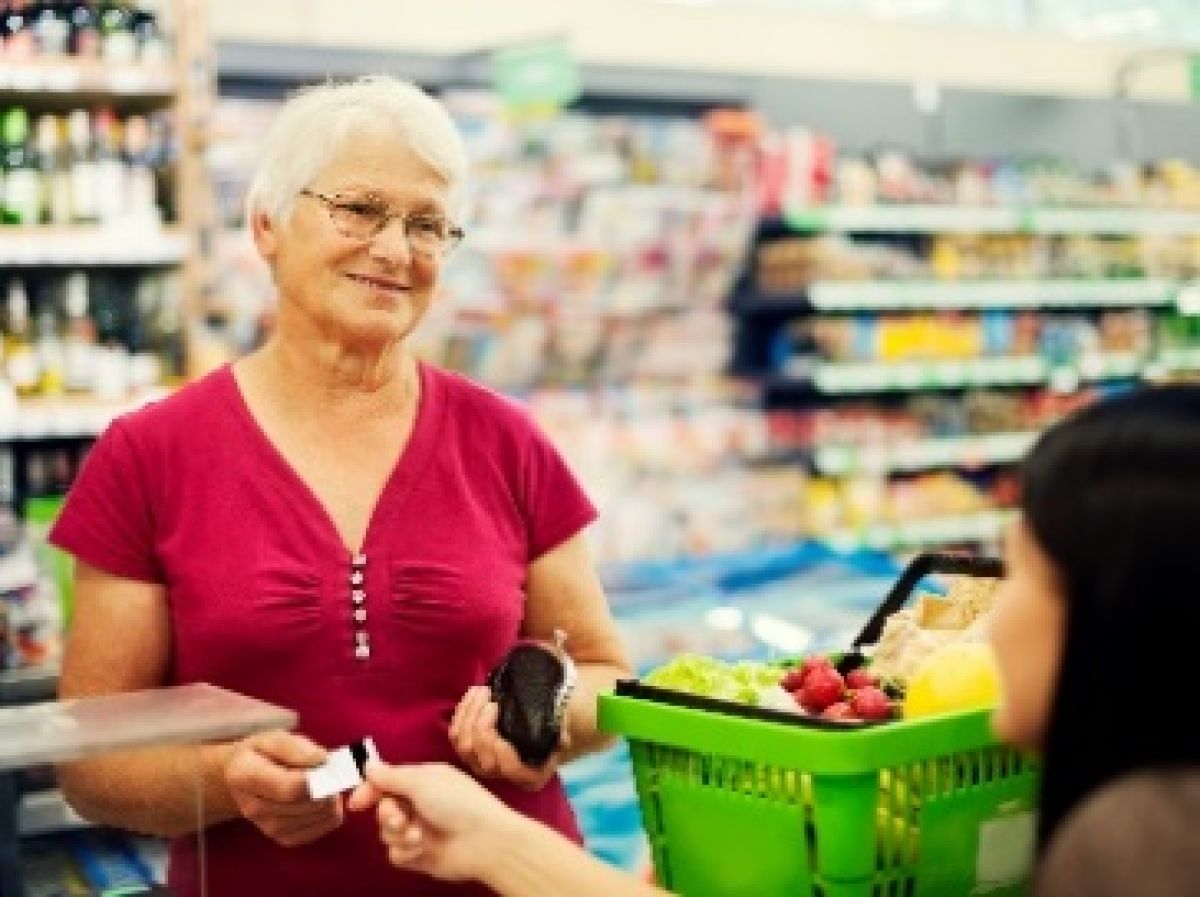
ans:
(1112, 495)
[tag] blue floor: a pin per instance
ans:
(776, 603)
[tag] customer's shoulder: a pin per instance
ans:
(476, 403)
(188, 411)
(1136, 832)
(1160, 795)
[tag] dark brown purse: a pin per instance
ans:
(532, 686)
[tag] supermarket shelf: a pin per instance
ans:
(36, 246)
(42, 812)
(80, 78)
(40, 420)
(919, 219)
(27, 686)
(1175, 361)
(983, 526)
(831, 378)
(906, 219)
(829, 296)
(1114, 221)
(923, 454)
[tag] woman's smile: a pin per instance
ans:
(380, 284)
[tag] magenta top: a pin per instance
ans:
(266, 600)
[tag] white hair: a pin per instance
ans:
(317, 121)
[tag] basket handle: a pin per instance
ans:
(918, 568)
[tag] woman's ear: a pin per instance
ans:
(265, 232)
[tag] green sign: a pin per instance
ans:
(541, 75)
(1194, 69)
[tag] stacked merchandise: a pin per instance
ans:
(94, 162)
(30, 603)
(914, 326)
(601, 250)
(112, 32)
(89, 204)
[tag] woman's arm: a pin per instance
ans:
(528, 859)
(436, 820)
(564, 592)
(120, 641)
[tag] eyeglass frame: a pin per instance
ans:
(331, 201)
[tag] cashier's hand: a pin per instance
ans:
(434, 819)
(475, 739)
(266, 777)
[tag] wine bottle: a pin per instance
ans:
(22, 184)
(85, 29)
(118, 43)
(21, 361)
(85, 202)
(80, 344)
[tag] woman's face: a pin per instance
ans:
(358, 291)
(1027, 632)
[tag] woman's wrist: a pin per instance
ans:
(211, 762)
(511, 848)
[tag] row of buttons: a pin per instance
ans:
(358, 597)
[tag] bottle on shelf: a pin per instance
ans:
(20, 356)
(16, 30)
(117, 40)
(85, 29)
(111, 361)
(50, 351)
(80, 343)
(153, 47)
(142, 186)
(22, 183)
(112, 183)
(52, 27)
(53, 165)
(82, 153)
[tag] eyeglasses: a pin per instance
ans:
(366, 218)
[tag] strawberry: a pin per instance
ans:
(822, 687)
(871, 703)
(839, 710)
(794, 679)
(816, 662)
(861, 678)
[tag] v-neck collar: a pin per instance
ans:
(406, 471)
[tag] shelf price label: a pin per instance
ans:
(807, 221)
(541, 76)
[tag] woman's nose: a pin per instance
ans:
(391, 243)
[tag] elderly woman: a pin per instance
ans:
(333, 526)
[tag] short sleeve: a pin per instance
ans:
(556, 506)
(107, 520)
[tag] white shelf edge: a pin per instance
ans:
(979, 526)
(135, 245)
(833, 378)
(922, 454)
(836, 296)
(67, 76)
(66, 420)
(925, 218)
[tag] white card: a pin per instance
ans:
(339, 772)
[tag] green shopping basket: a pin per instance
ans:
(759, 803)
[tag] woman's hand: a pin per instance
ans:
(475, 739)
(266, 778)
(434, 819)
